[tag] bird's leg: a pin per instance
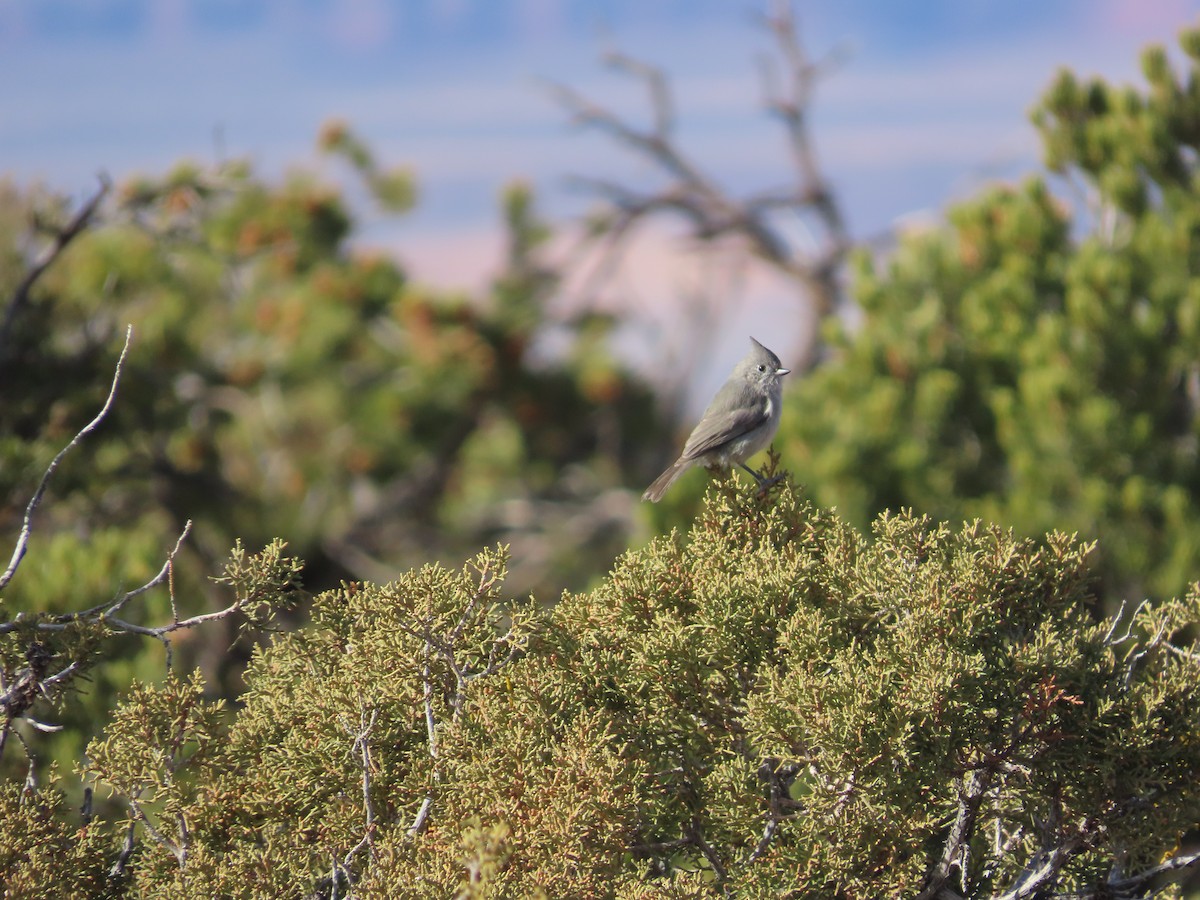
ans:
(764, 484)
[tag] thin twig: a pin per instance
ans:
(1189, 655)
(777, 799)
(661, 846)
(109, 607)
(191, 622)
(1137, 654)
(139, 814)
(442, 647)
(27, 523)
(20, 297)
(656, 84)
(487, 580)
(1111, 641)
(30, 685)
(422, 816)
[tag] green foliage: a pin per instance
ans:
(395, 191)
(769, 705)
(161, 745)
(282, 793)
(284, 381)
(773, 703)
(66, 666)
(43, 854)
(263, 584)
(1033, 364)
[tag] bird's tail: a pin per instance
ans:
(655, 492)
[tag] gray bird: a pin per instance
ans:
(740, 421)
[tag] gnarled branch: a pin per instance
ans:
(710, 210)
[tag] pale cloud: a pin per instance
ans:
(1141, 18)
(364, 24)
(450, 13)
(468, 124)
(953, 109)
(539, 19)
(167, 20)
(443, 105)
(463, 259)
(656, 270)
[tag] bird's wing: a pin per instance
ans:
(749, 411)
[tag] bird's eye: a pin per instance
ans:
(761, 367)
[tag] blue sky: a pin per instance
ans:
(930, 100)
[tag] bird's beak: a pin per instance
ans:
(782, 371)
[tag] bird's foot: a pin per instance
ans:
(764, 484)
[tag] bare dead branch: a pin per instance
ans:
(118, 868)
(695, 840)
(1040, 875)
(35, 501)
(495, 661)
(361, 745)
(658, 145)
(177, 625)
(334, 877)
(103, 612)
(974, 786)
(656, 84)
(768, 835)
(1190, 655)
(179, 851)
(696, 836)
(422, 816)
(1140, 651)
(27, 688)
(62, 237)
(1109, 637)
(60, 676)
(1143, 884)
(661, 846)
(711, 212)
(34, 682)
(791, 103)
(445, 650)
